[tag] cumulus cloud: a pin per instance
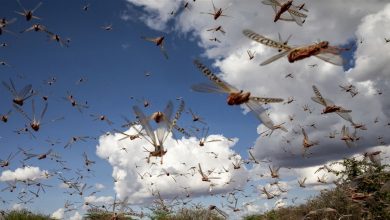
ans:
(104, 200)
(58, 214)
(158, 12)
(17, 207)
(340, 23)
(347, 23)
(25, 173)
(328, 78)
(76, 216)
(138, 180)
(99, 186)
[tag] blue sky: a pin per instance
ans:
(113, 73)
(114, 63)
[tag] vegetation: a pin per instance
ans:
(186, 213)
(23, 215)
(362, 192)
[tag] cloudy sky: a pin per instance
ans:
(103, 63)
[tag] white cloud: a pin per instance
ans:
(99, 186)
(158, 12)
(17, 207)
(76, 216)
(338, 22)
(58, 214)
(348, 22)
(25, 173)
(104, 200)
(182, 154)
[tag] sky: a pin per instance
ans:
(106, 70)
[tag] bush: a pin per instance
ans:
(24, 215)
(362, 192)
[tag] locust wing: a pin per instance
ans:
(266, 100)
(22, 112)
(145, 124)
(215, 79)
(163, 128)
(260, 113)
(345, 116)
(335, 59)
(276, 57)
(266, 41)
(154, 40)
(201, 172)
(23, 93)
(304, 134)
(9, 88)
(319, 99)
(296, 15)
(208, 88)
(164, 52)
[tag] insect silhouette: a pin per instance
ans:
(74, 103)
(274, 171)
(205, 178)
(28, 14)
(4, 117)
(6, 162)
(330, 106)
(101, 118)
(159, 41)
(36, 28)
(4, 23)
(350, 89)
(235, 96)
(38, 156)
(216, 29)
(156, 139)
(321, 50)
(203, 140)
(218, 12)
(107, 27)
(306, 143)
(35, 123)
(280, 8)
(251, 54)
(21, 96)
(195, 117)
(301, 182)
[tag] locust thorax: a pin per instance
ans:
(35, 125)
(4, 118)
(159, 41)
(323, 44)
(302, 53)
(158, 153)
(238, 98)
(36, 27)
(29, 15)
(329, 109)
(345, 137)
(18, 101)
(157, 117)
(6, 164)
